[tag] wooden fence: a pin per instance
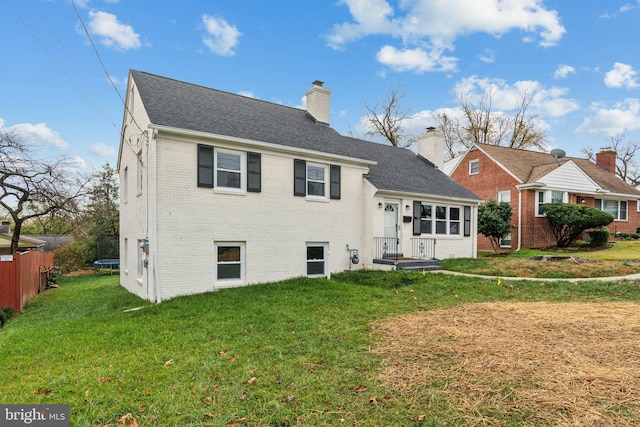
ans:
(23, 276)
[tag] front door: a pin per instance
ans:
(391, 228)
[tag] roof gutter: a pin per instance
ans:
(198, 135)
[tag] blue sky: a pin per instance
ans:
(581, 59)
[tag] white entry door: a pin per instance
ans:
(391, 220)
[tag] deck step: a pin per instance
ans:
(418, 265)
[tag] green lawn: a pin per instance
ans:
(282, 354)
(620, 259)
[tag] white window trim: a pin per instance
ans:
(325, 247)
(502, 198)
(547, 199)
(618, 202)
(326, 183)
(434, 220)
(472, 164)
(243, 170)
(242, 262)
(139, 260)
(125, 185)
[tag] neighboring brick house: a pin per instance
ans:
(528, 179)
(221, 190)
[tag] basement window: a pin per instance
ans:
(229, 261)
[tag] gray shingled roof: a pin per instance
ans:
(191, 107)
(530, 166)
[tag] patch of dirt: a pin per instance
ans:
(561, 364)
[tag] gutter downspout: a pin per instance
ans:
(154, 215)
(519, 219)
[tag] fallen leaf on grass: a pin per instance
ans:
(233, 358)
(103, 380)
(223, 353)
(207, 399)
(373, 400)
(168, 362)
(128, 420)
(252, 380)
(44, 391)
(360, 389)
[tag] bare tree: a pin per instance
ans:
(31, 188)
(627, 162)
(388, 117)
(480, 124)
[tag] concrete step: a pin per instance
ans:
(418, 264)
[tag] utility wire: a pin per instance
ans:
(57, 64)
(104, 68)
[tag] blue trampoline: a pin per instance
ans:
(107, 263)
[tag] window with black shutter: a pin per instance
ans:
(254, 170)
(467, 220)
(335, 182)
(299, 177)
(205, 166)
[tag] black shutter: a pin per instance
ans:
(254, 170)
(205, 166)
(335, 182)
(299, 177)
(417, 214)
(467, 220)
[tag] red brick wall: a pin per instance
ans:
(490, 181)
(536, 233)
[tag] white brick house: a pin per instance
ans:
(221, 190)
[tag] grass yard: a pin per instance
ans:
(620, 259)
(300, 352)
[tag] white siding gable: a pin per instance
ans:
(570, 177)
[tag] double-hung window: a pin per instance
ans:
(229, 261)
(317, 259)
(550, 196)
(229, 169)
(316, 180)
(437, 219)
(616, 208)
(474, 167)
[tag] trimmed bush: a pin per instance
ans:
(599, 237)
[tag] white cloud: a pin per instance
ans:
(488, 56)
(428, 28)
(103, 150)
(38, 135)
(417, 60)
(221, 37)
(113, 33)
(548, 102)
(563, 71)
(622, 75)
(624, 115)
(628, 7)
(246, 93)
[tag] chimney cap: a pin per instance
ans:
(317, 83)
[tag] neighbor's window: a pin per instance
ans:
(474, 167)
(616, 208)
(550, 196)
(229, 261)
(504, 196)
(317, 259)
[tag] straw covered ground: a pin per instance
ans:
(561, 364)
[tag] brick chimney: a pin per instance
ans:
(431, 146)
(318, 102)
(607, 159)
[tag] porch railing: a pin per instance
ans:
(386, 248)
(423, 248)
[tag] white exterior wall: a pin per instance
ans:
(134, 204)
(569, 177)
(274, 224)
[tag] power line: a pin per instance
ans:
(104, 68)
(57, 64)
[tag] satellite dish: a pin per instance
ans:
(558, 153)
